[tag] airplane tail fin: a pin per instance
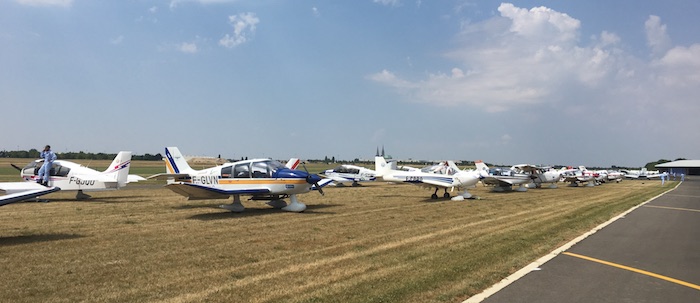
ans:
(481, 168)
(381, 167)
(293, 163)
(119, 169)
(175, 163)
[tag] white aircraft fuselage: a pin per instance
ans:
(350, 173)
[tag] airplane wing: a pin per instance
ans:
(322, 183)
(18, 187)
(200, 192)
(168, 176)
(570, 178)
(438, 180)
(18, 191)
(492, 180)
(527, 168)
(336, 178)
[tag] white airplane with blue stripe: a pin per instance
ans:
(445, 175)
(262, 179)
(350, 173)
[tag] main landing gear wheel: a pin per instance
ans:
(434, 196)
(294, 205)
(236, 206)
(82, 196)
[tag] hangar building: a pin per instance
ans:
(688, 167)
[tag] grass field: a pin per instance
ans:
(376, 243)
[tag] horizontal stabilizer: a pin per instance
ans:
(168, 176)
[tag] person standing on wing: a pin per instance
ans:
(48, 156)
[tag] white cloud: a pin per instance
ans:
(388, 2)
(523, 58)
(679, 67)
(315, 12)
(63, 3)
(657, 38)
(607, 39)
(153, 9)
(243, 26)
(188, 47)
(541, 22)
(175, 3)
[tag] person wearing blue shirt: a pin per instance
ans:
(48, 156)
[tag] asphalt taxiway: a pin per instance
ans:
(650, 254)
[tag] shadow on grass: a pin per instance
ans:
(253, 212)
(113, 199)
(28, 239)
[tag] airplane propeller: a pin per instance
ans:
(309, 179)
(16, 167)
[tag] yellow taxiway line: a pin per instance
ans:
(644, 272)
(674, 208)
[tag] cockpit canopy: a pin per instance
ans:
(252, 169)
(346, 170)
(440, 168)
(32, 169)
(501, 171)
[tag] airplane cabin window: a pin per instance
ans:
(226, 171)
(31, 169)
(58, 170)
(241, 171)
(260, 170)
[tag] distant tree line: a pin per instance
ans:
(33, 154)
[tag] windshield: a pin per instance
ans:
(266, 168)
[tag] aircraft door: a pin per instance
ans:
(58, 170)
(261, 170)
(241, 171)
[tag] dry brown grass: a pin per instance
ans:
(376, 243)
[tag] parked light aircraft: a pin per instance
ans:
(350, 173)
(641, 174)
(443, 176)
(503, 179)
(580, 175)
(263, 179)
(539, 174)
(615, 176)
(67, 175)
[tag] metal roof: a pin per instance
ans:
(680, 163)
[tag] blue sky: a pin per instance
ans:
(594, 83)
